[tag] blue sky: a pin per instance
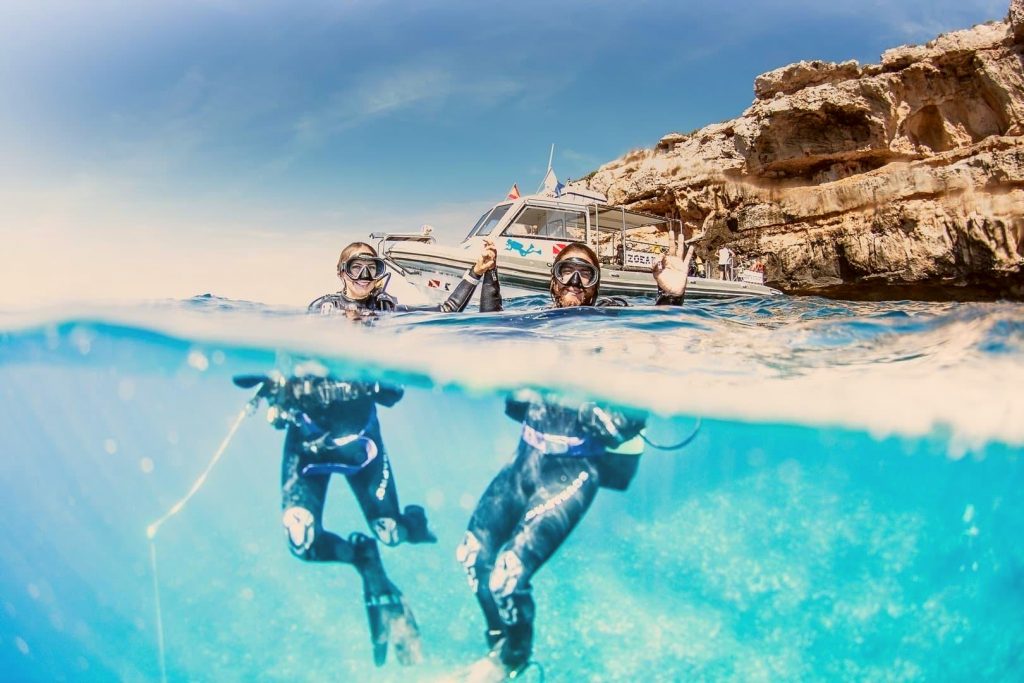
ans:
(226, 129)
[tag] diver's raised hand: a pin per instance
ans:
(672, 271)
(488, 258)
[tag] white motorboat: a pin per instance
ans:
(529, 232)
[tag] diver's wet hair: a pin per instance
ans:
(353, 249)
(578, 249)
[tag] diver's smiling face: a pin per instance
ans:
(569, 296)
(357, 290)
(574, 281)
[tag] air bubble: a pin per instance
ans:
(198, 360)
(126, 389)
(435, 499)
(82, 340)
(968, 514)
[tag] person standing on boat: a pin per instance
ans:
(332, 428)
(567, 450)
(725, 262)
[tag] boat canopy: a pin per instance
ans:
(606, 217)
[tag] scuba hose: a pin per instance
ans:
(674, 446)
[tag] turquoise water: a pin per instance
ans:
(850, 508)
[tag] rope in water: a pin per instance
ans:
(674, 446)
(159, 612)
(198, 483)
(153, 528)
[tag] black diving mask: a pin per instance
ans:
(365, 268)
(575, 272)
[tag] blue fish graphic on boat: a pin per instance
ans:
(517, 246)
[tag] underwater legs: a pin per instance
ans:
(390, 619)
(523, 517)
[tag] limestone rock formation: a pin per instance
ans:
(1016, 19)
(904, 178)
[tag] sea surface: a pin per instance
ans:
(850, 509)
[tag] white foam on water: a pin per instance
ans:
(911, 384)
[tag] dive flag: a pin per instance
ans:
(557, 247)
(514, 192)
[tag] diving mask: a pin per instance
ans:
(576, 272)
(365, 268)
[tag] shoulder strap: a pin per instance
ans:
(326, 304)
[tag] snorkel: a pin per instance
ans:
(575, 276)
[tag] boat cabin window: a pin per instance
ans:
(486, 224)
(492, 220)
(536, 221)
(472, 231)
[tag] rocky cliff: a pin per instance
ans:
(898, 179)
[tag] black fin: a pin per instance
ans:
(249, 381)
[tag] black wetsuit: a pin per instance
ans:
(338, 410)
(533, 504)
(312, 453)
(564, 456)
(332, 428)
(333, 304)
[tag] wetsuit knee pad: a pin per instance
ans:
(508, 571)
(386, 530)
(467, 554)
(300, 526)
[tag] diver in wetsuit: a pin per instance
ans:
(332, 428)
(567, 451)
(364, 276)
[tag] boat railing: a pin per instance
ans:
(617, 247)
(424, 236)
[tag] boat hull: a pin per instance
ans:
(438, 268)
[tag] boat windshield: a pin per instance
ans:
(491, 218)
(537, 221)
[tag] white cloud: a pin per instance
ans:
(379, 93)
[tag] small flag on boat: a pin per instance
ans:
(557, 247)
(436, 284)
(551, 182)
(552, 186)
(514, 192)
